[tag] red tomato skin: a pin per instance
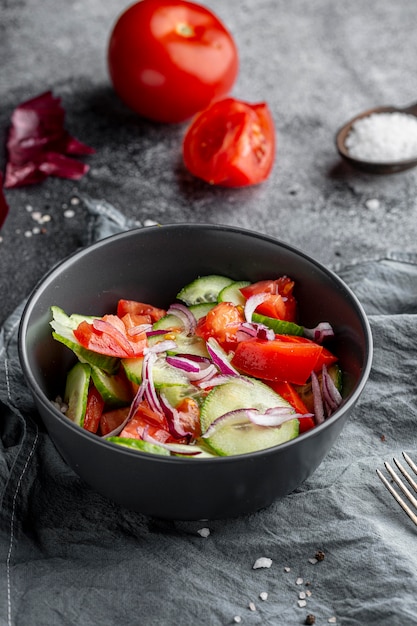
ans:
(112, 419)
(277, 360)
(168, 59)
(231, 143)
(133, 307)
(287, 391)
(221, 322)
(94, 410)
(281, 304)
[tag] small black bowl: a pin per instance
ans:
(151, 265)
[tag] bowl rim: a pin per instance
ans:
(55, 270)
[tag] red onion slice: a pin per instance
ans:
(331, 395)
(147, 377)
(139, 329)
(161, 346)
(237, 418)
(275, 416)
(173, 419)
(185, 315)
(319, 333)
(183, 363)
(219, 358)
(317, 399)
(252, 304)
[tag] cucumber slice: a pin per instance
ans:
(203, 289)
(139, 444)
(280, 327)
(240, 393)
(189, 345)
(201, 310)
(232, 294)
(115, 390)
(62, 330)
(163, 373)
(243, 436)
(76, 392)
(176, 393)
(168, 322)
(306, 393)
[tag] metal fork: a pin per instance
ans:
(397, 480)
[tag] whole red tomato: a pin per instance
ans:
(169, 59)
(231, 143)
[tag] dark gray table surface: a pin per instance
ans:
(315, 63)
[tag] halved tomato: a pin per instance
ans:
(231, 143)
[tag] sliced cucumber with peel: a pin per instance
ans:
(114, 389)
(242, 436)
(203, 289)
(280, 327)
(232, 293)
(139, 444)
(76, 392)
(163, 373)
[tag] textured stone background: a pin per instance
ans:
(316, 63)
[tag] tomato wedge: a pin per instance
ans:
(291, 361)
(112, 419)
(281, 303)
(221, 322)
(287, 391)
(107, 336)
(94, 410)
(231, 143)
(139, 308)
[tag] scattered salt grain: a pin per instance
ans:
(287, 569)
(313, 561)
(332, 620)
(299, 581)
(302, 603)
(383, 137)
(263, 561)
(252, 606)
(308, 593)
(237, 619)
(263, 595)
(204, 532)
(74, 201)
(302, 595)
(372, 204)
(29, 208)
(150, 223)
(69, 213)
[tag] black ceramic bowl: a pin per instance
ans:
(151, 265)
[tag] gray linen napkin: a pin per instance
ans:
(69, 557)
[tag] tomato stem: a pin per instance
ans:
(185, 30)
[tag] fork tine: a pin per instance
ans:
(410, 463)
(400, 483)
(395, 495)
(404, 472)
